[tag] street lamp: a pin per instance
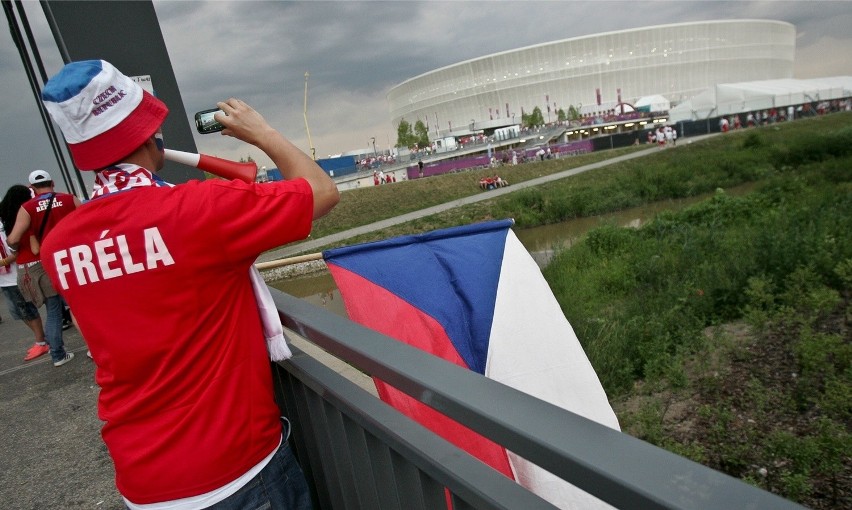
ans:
(310, 142)
(373, 139)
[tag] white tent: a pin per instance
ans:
(731, 98)
(656, 103)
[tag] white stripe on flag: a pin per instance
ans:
(534, 349)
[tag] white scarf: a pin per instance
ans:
(126, 176)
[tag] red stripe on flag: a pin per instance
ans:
(376, 308)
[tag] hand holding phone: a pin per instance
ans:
(205, 123)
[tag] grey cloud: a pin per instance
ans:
(356, 51)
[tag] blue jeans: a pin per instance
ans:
(53, 327)
(281, 485)
(19, 308)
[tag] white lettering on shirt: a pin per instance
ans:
(105, 257)
(129, 266)
(156, 249)
(42, 204)
(110, 257)
(81, 259)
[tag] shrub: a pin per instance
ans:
(760, 302)
(753, 141)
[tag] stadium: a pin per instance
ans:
(594, 74)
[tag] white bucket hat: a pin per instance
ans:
(103, 114)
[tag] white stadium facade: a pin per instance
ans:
(594, 73)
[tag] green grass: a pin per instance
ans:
(366, 205)
(776, 407)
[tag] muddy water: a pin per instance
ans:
(318, 289)
(541, 242)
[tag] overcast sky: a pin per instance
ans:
(356, 51)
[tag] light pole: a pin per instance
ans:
(373, 139)
(311, 143)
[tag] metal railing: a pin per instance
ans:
(359, 453)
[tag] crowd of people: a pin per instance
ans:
(782, 114)
(758, 118)
(376, 161)
(663, 136)
(379, 177)
(162, 287)
(610, 116)
(489, 183)
(515, 157)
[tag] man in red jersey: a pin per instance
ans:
(186, 390)
(36, 218)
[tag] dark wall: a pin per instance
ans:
(127, 35)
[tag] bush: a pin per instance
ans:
(813, 147)
(780, 258)
(753, 141)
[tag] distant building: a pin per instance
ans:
(595, 72)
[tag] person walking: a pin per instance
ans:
(19, 308)
(147, 268)
(35, 219)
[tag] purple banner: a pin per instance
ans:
(505, 155)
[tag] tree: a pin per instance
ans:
(560, 115)
(533, 119)
(404, 135)
(573, 113)
(421, 132)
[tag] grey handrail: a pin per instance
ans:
(615, 467)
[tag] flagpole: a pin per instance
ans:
(288, 261)
(311, 143)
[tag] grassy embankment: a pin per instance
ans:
(366, 205)
(720, 332)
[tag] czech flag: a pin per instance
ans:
(474, 296)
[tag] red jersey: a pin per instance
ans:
(158, 278)
(63, 205)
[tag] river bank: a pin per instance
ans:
(722, 332)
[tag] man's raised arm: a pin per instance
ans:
(244, 123)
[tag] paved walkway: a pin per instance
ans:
(52, 453)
